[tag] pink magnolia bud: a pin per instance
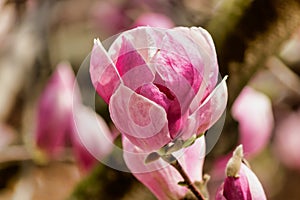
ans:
(154, 20)
(286, 141)
(253, 111)
(241, 183)
(61, 117)
(159, 176)
(160, 84)
(55, 110)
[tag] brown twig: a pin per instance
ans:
(174, 162)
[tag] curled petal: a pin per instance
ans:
(138, 116)
(179, 48)
(153, 93)
(199, 48)
(176, 74)
(208, 112)
(175, 70)
(163, 97)
(103, 72)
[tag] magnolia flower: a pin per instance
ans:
(61, 118)
(253, 111)
(241, 183)
(159, 176)
(159, 84)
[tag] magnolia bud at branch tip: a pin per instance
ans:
(241, 183)
(234, 164)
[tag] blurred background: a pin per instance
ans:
(258, 47)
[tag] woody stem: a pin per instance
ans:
(174, 162)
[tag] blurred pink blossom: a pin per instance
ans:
(61, 118)
(253, 111)
(160, 84)
(159, 176)
(109, 17)
(286, 141)
(154, 20)
(241, 183)
(55, 109)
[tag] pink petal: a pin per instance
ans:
(208, 112)
(175, 70)
(139, 117)
(91, 137)
(252, 107)
(176, 74)
(171, 79)
(103, 72)
(178, 50)
(131, 66)
(161, 178)
(193, 159)
(145, 40)
(128, 57)
(201, 46)
(256, 189)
